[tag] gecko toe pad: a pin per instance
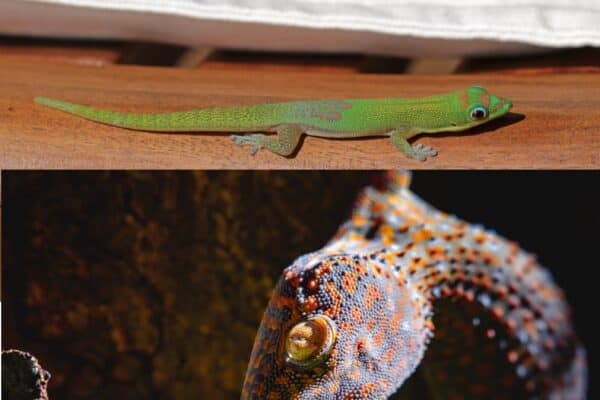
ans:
(253, 140)
(420, 152)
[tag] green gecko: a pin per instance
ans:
(400, 119)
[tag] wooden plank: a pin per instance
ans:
(564, 61)
(434, 66)
(80, 52)
(560, 128)
(194, 57)
(282, 62)
(151, 54)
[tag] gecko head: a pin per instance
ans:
(478, 106)
(335, 328)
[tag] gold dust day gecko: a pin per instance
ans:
(398, 118)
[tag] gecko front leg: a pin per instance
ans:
(283, 144)
(399, 138)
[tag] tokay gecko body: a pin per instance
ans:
(401, 285)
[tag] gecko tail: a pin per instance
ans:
(58, 104)
(209, 120)
(124, 120)
(176, 121)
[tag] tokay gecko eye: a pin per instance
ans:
(309, 342)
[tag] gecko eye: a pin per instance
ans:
(309, 342)
(478, 113)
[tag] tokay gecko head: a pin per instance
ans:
(337, 327)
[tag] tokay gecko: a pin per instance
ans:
(403, 285)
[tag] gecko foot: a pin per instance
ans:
(253, 140)
(420, 152)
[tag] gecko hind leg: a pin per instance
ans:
(418, 152)
(283, 144)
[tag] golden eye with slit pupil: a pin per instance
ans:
(310, 341)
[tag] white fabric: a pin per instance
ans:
(394, 27)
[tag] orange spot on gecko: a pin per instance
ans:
(334, 310)
(370, 325)
(379, 207)
(498, 312)
(480, 237)
(361, 269)
(371, 296)
(402, 180)
(379, 338)
(412, 345)
(389, 355)
(422, 235)
(463, 98)
(367, 389)
(416, 264)
(387, 232)
(310, 304)
(349, 282)
(356, 236)
(358, 220)
(470, 296)
(356, 314)
(490, 259)
(292, 278)
(377, 270)
(437, 252)
(347, 327)
(429, 325)
(484, 98)
(334, 386)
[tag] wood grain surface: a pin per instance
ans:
(555, 121)
(64, 51)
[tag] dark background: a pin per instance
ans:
(151, 285)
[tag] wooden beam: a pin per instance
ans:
(283, 62)
(433, 66)
(81, 52)
(194, 57)
(556, 122)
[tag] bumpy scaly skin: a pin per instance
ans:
(400, 119)
(23, 378)
(395, 269)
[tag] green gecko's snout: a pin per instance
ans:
(498, 106)
(492, 106)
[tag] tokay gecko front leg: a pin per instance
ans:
(403, 285)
